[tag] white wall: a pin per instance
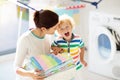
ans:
(6, 67)
(106, 6)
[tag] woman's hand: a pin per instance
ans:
(34, 74)
(57, 50)
(37, 75)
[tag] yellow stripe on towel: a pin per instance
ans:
(46, 61)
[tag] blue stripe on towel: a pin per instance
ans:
(56, 59)
(36, 63)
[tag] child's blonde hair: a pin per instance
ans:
(65, 18)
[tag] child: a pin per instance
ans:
(69, 42)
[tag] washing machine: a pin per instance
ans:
(104, 44)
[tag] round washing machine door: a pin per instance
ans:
(106, 44)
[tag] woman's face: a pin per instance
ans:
(51, 30)
(65, 30)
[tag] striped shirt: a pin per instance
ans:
(72, 47)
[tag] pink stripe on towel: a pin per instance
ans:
(42, 63)
(61, 57)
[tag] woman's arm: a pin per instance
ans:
(35, 75)
(21, 53)
(23, 72)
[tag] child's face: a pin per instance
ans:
(65, 30)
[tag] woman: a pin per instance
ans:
(35, 42)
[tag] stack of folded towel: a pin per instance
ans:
(51, 63)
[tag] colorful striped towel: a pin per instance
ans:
(51, 63)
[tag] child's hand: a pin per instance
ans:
(57, 50)
(84, 62)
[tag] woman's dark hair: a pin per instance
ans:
(45, 18)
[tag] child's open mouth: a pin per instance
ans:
(67, 34)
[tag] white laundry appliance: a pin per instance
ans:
(104, 44)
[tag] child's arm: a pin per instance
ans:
(82, 57)
(56, 50)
